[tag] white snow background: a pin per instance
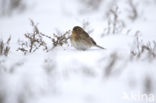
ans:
(67, 75)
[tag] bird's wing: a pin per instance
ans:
(93, 41)
(86, 36)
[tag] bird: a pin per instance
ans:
(81, 40)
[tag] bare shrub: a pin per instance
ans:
(34, 41)
(143, 50)
(4, 47)
(111, 64)
(59, 39)
(114, 65)
(133, 12)
(114, 24)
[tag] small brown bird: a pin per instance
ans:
(81, 40)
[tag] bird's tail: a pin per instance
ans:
(100, 47)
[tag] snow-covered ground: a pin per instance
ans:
(67, 75)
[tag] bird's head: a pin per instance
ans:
(77, 30)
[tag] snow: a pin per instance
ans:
(67, 75)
